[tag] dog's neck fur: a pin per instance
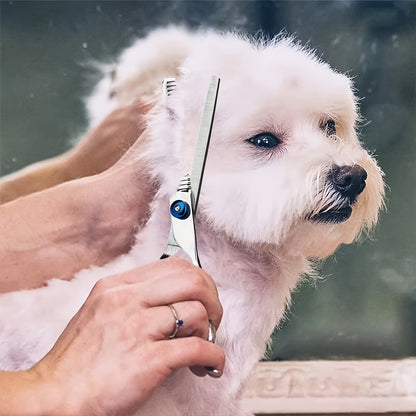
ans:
(254, 295)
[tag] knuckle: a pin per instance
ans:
(220, 312)
(191, 285)
(199, 312)
(197, 281)
(104, 297)
(196, 345)
(179, 263)
(101, 287)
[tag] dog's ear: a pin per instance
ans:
(168, 87)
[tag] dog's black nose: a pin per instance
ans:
(349, 181)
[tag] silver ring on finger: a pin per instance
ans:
(212, 335)
(178, 322)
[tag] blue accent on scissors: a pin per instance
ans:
(180, 209)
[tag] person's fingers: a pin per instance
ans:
(148, 273)
(184, 282)
(191, 320)
(176, 281)
(190, 352)
(200, 371)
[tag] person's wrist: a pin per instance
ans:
(49, 395)
(118, 203)
(28, 393)
(44, 395)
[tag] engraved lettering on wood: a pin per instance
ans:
(334, 379)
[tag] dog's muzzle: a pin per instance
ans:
(347, 182)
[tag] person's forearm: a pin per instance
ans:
(59, 231)
(98, 150)
(34, 178)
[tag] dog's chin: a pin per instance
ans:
(334, 216)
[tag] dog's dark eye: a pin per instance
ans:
(328, 127)
(265, 140)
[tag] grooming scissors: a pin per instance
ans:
(184, 202)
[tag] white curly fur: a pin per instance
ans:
(254, 230)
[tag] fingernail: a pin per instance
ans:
(213, 372)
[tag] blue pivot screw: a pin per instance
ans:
(180, 209)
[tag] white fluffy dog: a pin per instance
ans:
(286, 181)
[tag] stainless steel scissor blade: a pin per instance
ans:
(184, 202)
(204, 136)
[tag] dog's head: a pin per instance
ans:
(285, 164)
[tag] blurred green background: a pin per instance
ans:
(366, 305)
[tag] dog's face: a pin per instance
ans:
(284, 164)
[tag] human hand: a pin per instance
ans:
(117, 350)
(94, 218)
(105, 144)
(99, 149)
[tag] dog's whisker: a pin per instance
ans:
(328, 199)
